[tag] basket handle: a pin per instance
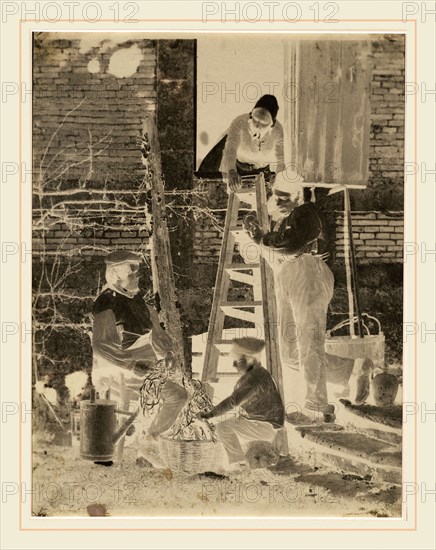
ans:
(347, 322)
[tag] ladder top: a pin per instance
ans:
(242, 266)
(241, 304)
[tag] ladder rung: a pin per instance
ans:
(219, 375)
(213, 381)
(222, 353)
(242, 266)
(242, 277)
(241, 304)
(247, 191)
(242, 314)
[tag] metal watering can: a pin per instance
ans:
(99, 432)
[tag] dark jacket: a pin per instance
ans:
(118, 323)
(296, 231)
(257, 394)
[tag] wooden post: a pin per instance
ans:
(354, 275)
(269, 305)
(161, 262)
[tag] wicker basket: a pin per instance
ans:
(192, 457)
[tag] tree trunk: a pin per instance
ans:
(161, 262)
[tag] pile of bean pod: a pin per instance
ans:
(187, 426)
(151, 389)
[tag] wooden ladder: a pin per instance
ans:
(258, 275)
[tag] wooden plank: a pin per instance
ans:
(333, 111)
(162, 267)
(247, 196)
(241, 277)
(268, 296)
(240, 304)
(355, 110)
(273, 362)
(240, 314)
(242, 266)
(331, 147)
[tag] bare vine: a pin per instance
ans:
(69, 225)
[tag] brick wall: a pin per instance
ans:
(386, 156)
(91, 241)
(88, 188)
(376, 236)
(207, 242)
(104, 111)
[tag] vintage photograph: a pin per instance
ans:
(217, 270)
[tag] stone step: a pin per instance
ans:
(382, 423)
(345, 450)
(389, 418)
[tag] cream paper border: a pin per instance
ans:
(19, 529)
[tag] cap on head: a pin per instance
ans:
(268, 102)
(248, 346)
(288, 181)
(121, 257)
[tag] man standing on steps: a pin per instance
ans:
(253, 145)
(304, 288)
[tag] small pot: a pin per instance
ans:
(384, 389)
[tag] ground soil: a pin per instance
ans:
(66, 485)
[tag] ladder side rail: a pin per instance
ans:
(222, 282)
(268, 295)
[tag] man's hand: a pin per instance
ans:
(251, 226)
(234, 181)
(141, 368)
(170, 362)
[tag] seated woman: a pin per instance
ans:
(127, 341)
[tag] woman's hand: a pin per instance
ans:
(234, 181)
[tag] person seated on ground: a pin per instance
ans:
(303, 285)
(261, 407)
(253, 144)
(128, 341)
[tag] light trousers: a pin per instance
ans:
(239, 431)
(304, 289)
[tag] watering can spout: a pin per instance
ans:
(124, 427)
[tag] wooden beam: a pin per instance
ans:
(161, 262)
